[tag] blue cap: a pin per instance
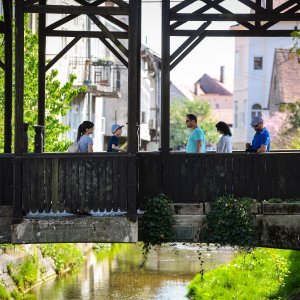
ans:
(114, 127)
(256, 120)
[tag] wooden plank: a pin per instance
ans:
(108, 184)
(268, 176)
(88, 184)
(102, 184)
(196, 180)
(81, 185)
(210, 182)
(40, 186)
(236, 175)
(68, 186)
(228, 175)
(201, 178)
(249, 176)
(294, 173)
(255, 192)
(115, 184)
(122, 183)
(75, 204)
(33, 185)
(94, 204)
(55, 193)
(188, 179)
(131, 188)
(221, 175)
(48, 184)
(62, 184)
(26, 185)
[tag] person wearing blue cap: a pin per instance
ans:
(261, 140)
(113, 145)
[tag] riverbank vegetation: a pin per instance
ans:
(260, 274)
(34, 264)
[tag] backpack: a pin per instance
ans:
(74, 148)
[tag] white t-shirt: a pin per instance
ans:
(224, 145)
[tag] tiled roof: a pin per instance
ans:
(288, 72)
(210, 85)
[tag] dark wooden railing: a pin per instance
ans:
(194, 178)
(101, 181)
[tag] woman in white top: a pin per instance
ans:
(224, 145)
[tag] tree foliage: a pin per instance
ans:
(58, 98)
(179, 132)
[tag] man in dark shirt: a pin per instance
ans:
(113, 144)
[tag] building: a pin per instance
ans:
(254, 58)
(285, 80)
(219, 97)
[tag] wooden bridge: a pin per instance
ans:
(55, 184)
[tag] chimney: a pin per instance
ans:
(109, 3)
(222, 74)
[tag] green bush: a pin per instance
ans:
(64, 255)
(255, 275)
(230, 222)
(157, 223)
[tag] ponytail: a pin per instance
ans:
(82, 128)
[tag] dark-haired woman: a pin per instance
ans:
(85, 142)
(224, 145)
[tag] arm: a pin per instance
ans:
(115, 147)
(90, 147)
(265, 139)
(199, 145)
(262, 149)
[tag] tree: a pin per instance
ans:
(178, 130)
(58, 98)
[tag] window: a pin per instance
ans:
(256, 110)
(258, 63)
(143, 117)
(217, 105)
(118, 79)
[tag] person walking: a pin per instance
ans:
(85, 142)
(225, 144)
(196, 140)
(113, 144)
(261, 141)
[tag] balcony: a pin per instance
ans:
(100, 76)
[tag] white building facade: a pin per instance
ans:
(254, 58)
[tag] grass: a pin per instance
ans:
(262, 274)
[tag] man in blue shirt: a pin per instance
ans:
(196, 140)
(261, 140)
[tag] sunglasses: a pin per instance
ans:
(254, 126)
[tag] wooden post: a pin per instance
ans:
(134, 74)
(19, 102)
(42, 70)
(7, 6)
(165, 75)
(25, 145)
(38, 139)
(132, 188)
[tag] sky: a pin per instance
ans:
(207, 57)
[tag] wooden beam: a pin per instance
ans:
(42, 67)
(255, 6)
(236, 17)
(87, 34)
(121, 3)
(76, 10)
(181, 5)
(2, 65)
(117, 22)
(61, 22)
(62, 53)
(187, 51)
(165, 75)
(109, 35)
(134, 58)
(189, 40)
(2, 27)
(8, 68)
(234, 33)
(114, 51)
(200, 11)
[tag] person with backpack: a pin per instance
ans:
(84, 141)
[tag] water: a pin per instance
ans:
(115, 274)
